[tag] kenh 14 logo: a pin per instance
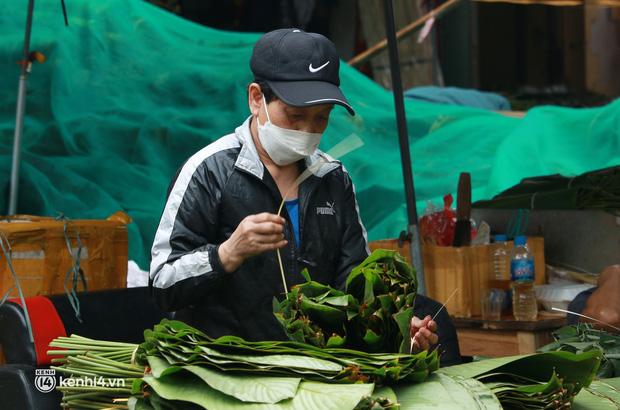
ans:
(45, 380)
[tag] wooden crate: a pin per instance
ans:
(470, 269)
(41, 257)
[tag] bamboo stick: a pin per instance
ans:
(402, 33)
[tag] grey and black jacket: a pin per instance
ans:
(212, 193)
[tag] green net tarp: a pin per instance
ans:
(130, 91)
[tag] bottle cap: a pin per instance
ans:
(520, 240)
(500, 238)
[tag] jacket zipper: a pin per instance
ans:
(289, 225)
(304, 201)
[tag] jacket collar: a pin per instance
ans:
(248, 160)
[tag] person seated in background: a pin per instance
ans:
(602, 302)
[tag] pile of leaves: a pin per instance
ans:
(180, 344)
(539, 381)
(178, 367)
(185, 365)
(600, 395)
(372, 315)
(584, 338)
(195, 386)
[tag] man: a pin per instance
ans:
(601, 303)
(213, 257)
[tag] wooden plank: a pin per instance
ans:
(573, 47)
(529, 342)
(497, 45)
(602, 51)
(526, 342)
(473, 342)
(416, 60)
(408, 30)
(508, 323)
(535, 60)
(499, 343)
(513, 114)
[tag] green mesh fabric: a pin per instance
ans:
(130, 91)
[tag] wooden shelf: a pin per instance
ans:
(509, 323)
(506, 337)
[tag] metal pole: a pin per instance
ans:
(405, 155)
(19, 114)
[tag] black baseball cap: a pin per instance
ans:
(301, 68)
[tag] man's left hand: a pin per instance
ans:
(604, 303)
(423, 333)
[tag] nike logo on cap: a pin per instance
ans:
(314, 70)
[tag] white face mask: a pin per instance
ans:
(285, 146)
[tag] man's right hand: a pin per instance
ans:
(254, 235)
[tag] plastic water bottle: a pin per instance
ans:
(524, 304)
(500, 259)
(500, 280)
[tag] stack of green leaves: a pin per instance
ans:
(600, 395)
(181, 344)
(583, 338)
(540, 381)
(188, 369)
(180, 368)
(196, 386)
(372, 315)
(102, 374)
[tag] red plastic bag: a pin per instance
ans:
(437, 228)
